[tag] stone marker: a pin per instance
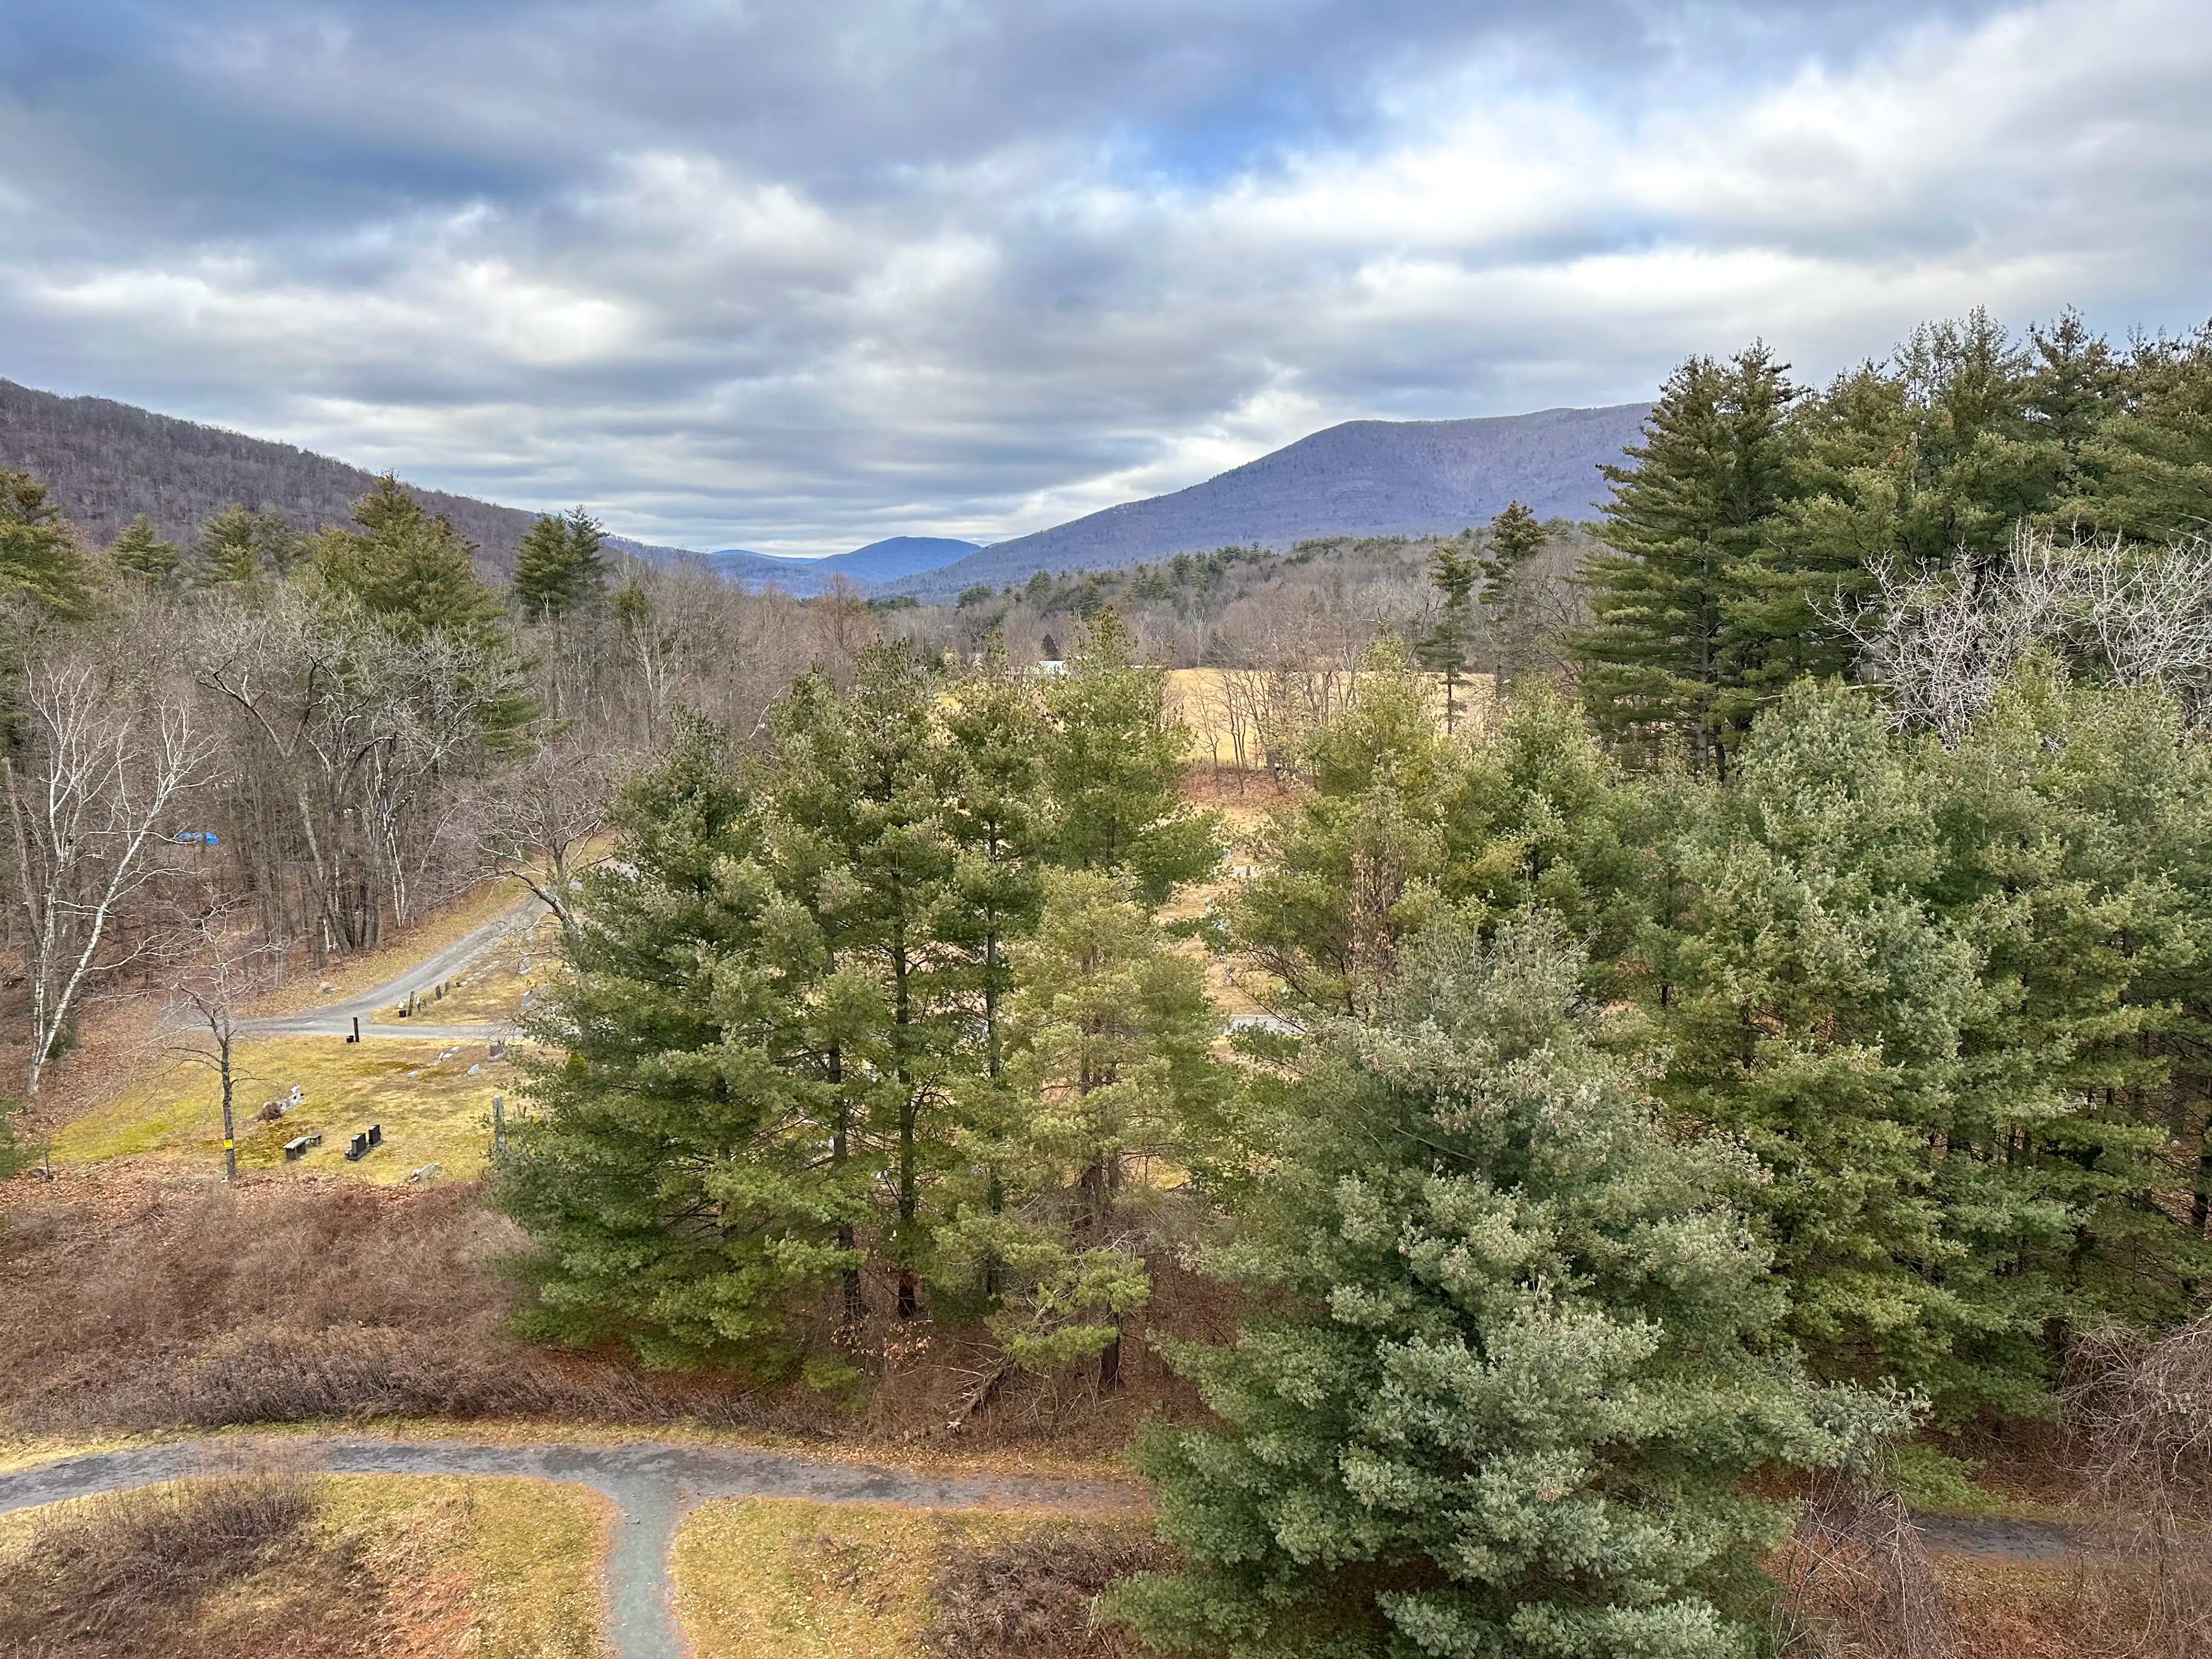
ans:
(296, 1148)
(376, 1134)
(357, 1149)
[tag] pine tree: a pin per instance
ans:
(1508, 1361)
(408, 569)
(559, 568)
(139, 551)
(1347, 870)
(903, 862)
(1516, 536)
(38, 553)
(1000, 821)
(1667, 655)
(675, 1179)
(1117, 768)
(2070, 814)
(1110, 1065)
(2148, 465)
(237, 549)
(1454, 572)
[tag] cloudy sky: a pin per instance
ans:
(796, 274)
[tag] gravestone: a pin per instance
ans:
(357, 1149)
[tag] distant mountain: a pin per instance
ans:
(899, 556)
(104, 463)
(879, 562)
(1362, 479)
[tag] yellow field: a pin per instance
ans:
(432, 1110)
(1237, 715)
(783, 1578)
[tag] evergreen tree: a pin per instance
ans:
(1669, 654)
(1510, 1360)
(38, 553)
(1117, 769)
(859, 782)
(139, 551)
(2074, 827)
(1818, 1010)
(1110, 1065)
(1000, 822)
(2148, 465)
(1349, 868)
(1516, 538)
(1455, 571)
(406, 568)
(675, 1179)
(1402, 827)
(560, 568)
(238, 549)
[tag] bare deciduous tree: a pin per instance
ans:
(1944, 642)
(214, 974)
(102, 768)
(542, 820)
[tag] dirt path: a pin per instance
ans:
(651, 1484)
(336, 1019)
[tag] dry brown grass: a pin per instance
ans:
(1032, 1595)
(142, 1307)
(209, 1569)
(1857, 1582)
(133, 1304)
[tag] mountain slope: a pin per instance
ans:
(104, 462)
(1362, 479)
(879, 562)
(899, 556)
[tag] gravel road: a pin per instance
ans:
(652, 1484)
(336, 1020)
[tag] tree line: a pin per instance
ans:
(265, 748)
(1703, 1063)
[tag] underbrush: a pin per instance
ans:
(1032, 1596)
(142, 1306)
(280, 1303)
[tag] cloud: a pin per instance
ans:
(795, 277)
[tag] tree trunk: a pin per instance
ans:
(229, 1123)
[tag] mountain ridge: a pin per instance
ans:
(888, 560)
(1356, 479)
(104, 462)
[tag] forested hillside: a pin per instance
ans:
(105, 463)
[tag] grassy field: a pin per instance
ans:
(1205, 696)
(165, 1107)
(431, 1110)
(494, 987)
(498, 1568)
(783, 1578)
